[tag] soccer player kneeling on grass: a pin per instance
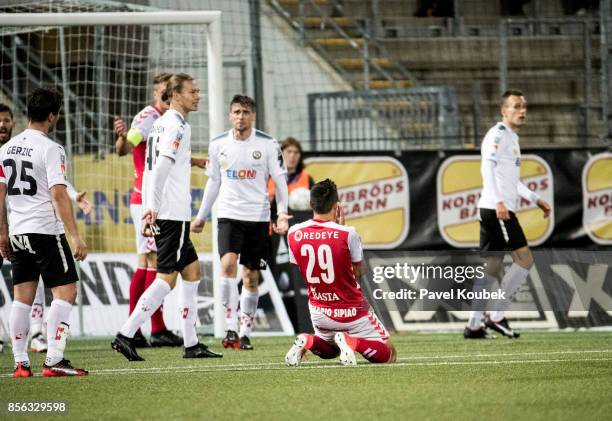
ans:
(330, 256)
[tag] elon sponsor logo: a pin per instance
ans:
(184, 312)
(597, 198)
(374, 192)
(459, 185)
(241, 174)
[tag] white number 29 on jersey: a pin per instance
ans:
(323, 256)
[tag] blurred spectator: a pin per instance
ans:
(513, 7)
(435, 8)
(297, 177)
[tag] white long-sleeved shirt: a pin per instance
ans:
(501, 169)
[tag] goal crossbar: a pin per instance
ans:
(109, 18)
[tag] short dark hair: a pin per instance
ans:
(42, 102)
(161, 78)
(323, 196)
(509, 93)
(243, 100)
(175, 84)
(6, 109)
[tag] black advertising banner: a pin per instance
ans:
(435, 290)
(424, 200)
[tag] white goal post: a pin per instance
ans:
(62, 22)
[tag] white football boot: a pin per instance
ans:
(297, 351)
(347, 355)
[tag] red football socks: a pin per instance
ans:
(137, 287)
(321, 348)
(373, 351)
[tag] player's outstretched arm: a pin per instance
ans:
(533, 197)
(282, 223)
(211, 191)
(5, 247)
(63, 208)
(282, 200)
(544, 206)
(199, 162)
(79, 198)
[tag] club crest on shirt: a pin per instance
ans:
(62, 164)
(256, 154)
(223, 160)
(298, 236)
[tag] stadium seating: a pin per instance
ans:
(546, 60)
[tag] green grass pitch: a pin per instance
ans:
(438, 376)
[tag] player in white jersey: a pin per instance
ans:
(33, 185)
(167, 200)
(500, 230)
(134, 140)
(241, 161)
(38, 341)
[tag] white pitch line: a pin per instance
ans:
(332, 363)
(514, 354)
(281, 367)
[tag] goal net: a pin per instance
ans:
(103, 61)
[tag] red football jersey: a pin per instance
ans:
(143, 121)
(325, 252)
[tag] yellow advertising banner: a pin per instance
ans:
(459, 186)
(374, 194)
(597, 198)
(108, 182)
